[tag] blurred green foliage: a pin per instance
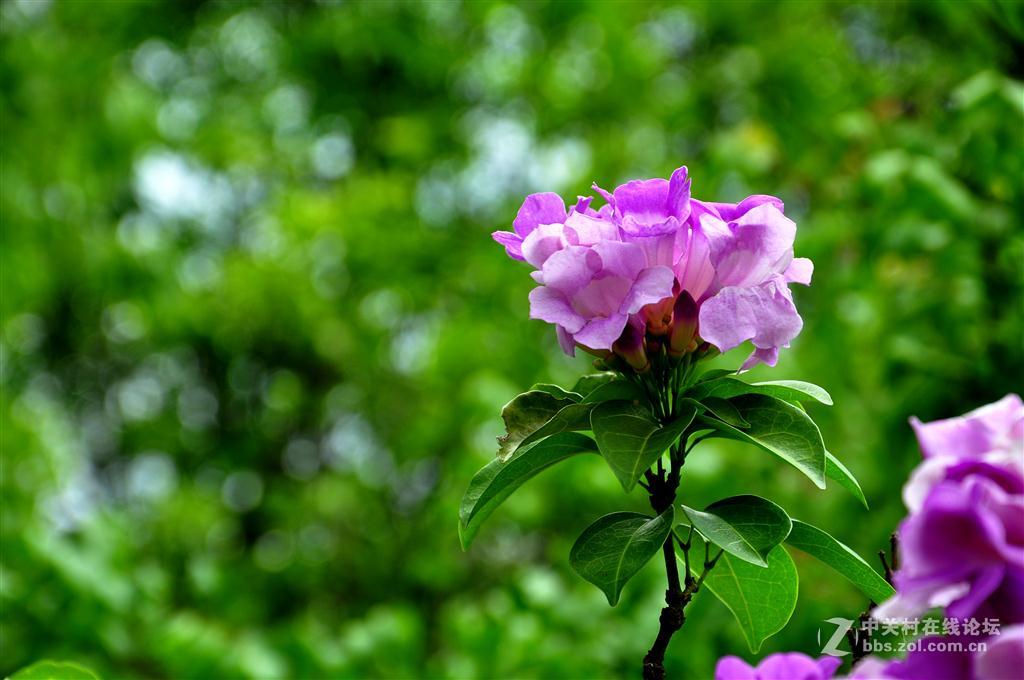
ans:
(255, 336)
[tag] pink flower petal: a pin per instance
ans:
(537, 209)
(764, 314)
(734, 668)
(799, 271)
(601, 333)
(542, 243)
(551, 305)
(652, 285)
(998, 425)
(570, 269)
(513, 243)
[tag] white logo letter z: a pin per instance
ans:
(832, 646)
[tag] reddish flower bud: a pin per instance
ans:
(659, 317)
(630, 346)
(599, 353)
(684, 324)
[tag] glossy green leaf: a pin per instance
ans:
(631, 440)
(614, 548)
(55, 670)
(797, 389)
(589, 383)
(745, 526)
(497, 480)
(781, 429)
(761, 598)
(714, 374)
(840, 557)
(572, 418)
(623, 390)
(557, 392)
(525, 414)
(788, 390)
(725, 411)
(576, 417)
(836, 471)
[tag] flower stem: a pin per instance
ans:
(676, 598)
(663, 495)
(662, 489)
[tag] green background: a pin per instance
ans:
(256, 337)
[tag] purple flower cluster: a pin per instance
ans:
(962, 544)
(783, 666)
(961, 550)
(655, 263)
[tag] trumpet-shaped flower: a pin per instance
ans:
(962, 546)
(751, 252)
(629, 262)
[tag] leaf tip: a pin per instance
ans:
(465, 537)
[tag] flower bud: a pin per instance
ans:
(684, 324)
(706, 350)
(630, 346)
(599, 353)
(658, 317)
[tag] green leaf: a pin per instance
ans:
(787, 390)
(797, 389)
(631, 440)
(589, 383)
(525, 414)
(576, 417)
(840, 557)
(725, 411)
(836, 471)
(761, 598)
(745, 526)
(572, 418)
(624, 390)
(614, 548)
(781, 429)
(557, 392)
(55, 670)
(714, 374)
(497, 480)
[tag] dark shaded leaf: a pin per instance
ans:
(614, 548)
(781, 429)
(525, 414)
(840, 557)
(788, 390)
(572, 418)
(761, 598)
(835, 470)
(589, 383)
(622, 389)
(745, 526)
(497, 480)
(725, 411)
(714, 374)
(631, 440)
(557, 392)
